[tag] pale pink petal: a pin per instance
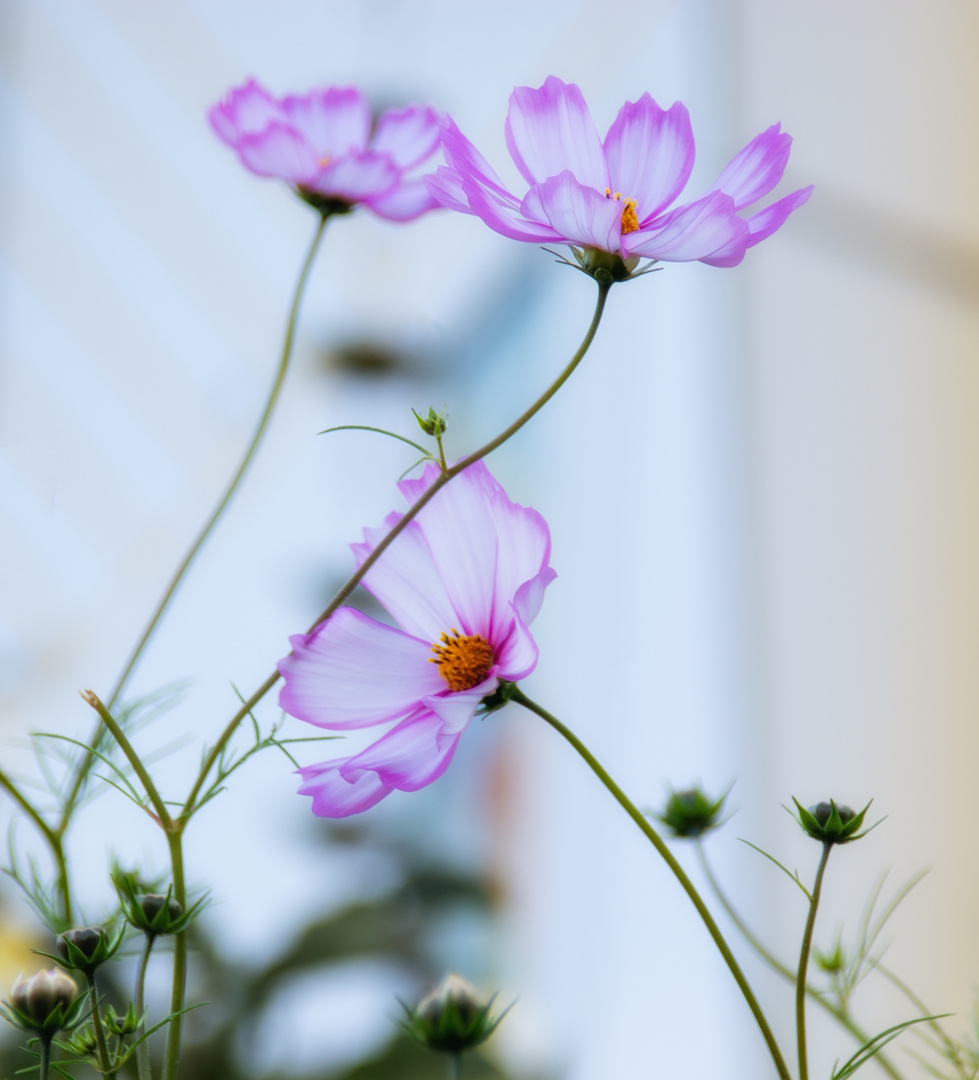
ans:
(756, 169)
(247, 109)
(445, 187)
(550, 129)
(408, 135)
(335, 797)
(694, 231)
(501, 216)
(579, 215)
(466, 160)
(456, 710)
(767, 221)
(405, 202)
(406, 581)
(279, 151)
(650, 153)
(528, 598)
(517, 656)
(353, 671)
(356, 177)
(410, 756)
(336, 120)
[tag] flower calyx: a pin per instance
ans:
(45, 1003)
(434, 424)
(831, 823)
(327, 206)
(153, 913)
(126, 1024)
(605, 267)
(689, 814)
(500, 697)
(452, 1018)
(86, 948)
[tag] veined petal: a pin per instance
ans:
(456, 710)
(353, 671)
(528, 598)
(247, 109)
(357, 177)
(504, 217)
(279, 150)
(336, 120)
(405, 202)
(767, 221)
(578, 214)
(408, 135)
(445, 187)
(757, 168)
(335, 797)
(650, 153)
(694, 231)
(517, 656)
(410, 756)
(550, 129)
(467, 161)
(406, 581)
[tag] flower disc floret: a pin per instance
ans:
(325, 144)
(463, 581)
(618, 194)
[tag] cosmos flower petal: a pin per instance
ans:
(353, 671)
(694, 231)
(757, 168)
(279, 151)
(517, 656)
(550, 129)
(408, 136)
(769, 220)
(406, 581)
(246, 110)
(467, 161)
(336, 120)
(528, 598)
(503, 217)
(650, 154)
(456, 710)
(405, 202)
(578, 214)
(357, 178)
(410, 756)
(335, 797)
(445, 187)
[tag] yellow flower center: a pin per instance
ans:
(630, 219)
(463, 659)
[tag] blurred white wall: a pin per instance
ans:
(761, 484)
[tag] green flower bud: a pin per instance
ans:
(153, 913)
(86, 948)
(122, 1025)
(434, 424)
(83, 1042)
(689, 814)
(452, 1018)
(831, 823)
(43, 1003)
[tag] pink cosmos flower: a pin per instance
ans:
(615, 195)
(324, 145)
(464, 581)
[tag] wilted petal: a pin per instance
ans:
(757, 168)
(691, 232)
(353, 671)
(408, 135)
(279, 151)
(410, 756)
(650, 153)
(410, 199)
(357, 177)
(578, 214)
(336, 120)
(335, 797)
(550, 130)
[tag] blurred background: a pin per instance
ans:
(761, 487)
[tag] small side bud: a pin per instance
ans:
(452, 1018)
(43, 1003)
(434, 424)
(159, 912)
(85, 948)
(153, 913)
(122, 1025)
(831, 822)
(689, 814)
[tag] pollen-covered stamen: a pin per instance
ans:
(463, 659)
(630, 219)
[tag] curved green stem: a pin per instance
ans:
(678, 872)
(105, 1061)
(800, 984)
(144, 1070)
(412, 512)
(840, 1014)
(171, 1057)
(285, 356)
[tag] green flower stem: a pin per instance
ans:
(105, 1060)
(678, 872)
(87, 761)
(144, 1069)
(800, 984)
(45, 1055)
(440, 481)
(455, 1066)
(837, 1011)
(171, 1058)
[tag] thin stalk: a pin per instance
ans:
(171, 1058)
(285, 356)
(678, 872)
(455, 1066)
(951, 1050)
(800, 983)
(144, 1069)
(440, 481)
(105, 1061)
(45, 1055)
(838, 1012)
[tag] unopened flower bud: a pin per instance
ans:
(830, 822)
(122, 1025)
(434, 424)
(86, 948)
(452, 1018)
(689, 814)
(160, 912)
(42, 1002)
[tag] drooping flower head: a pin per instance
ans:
(616, 195)
(464, 580)
(326, 146)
